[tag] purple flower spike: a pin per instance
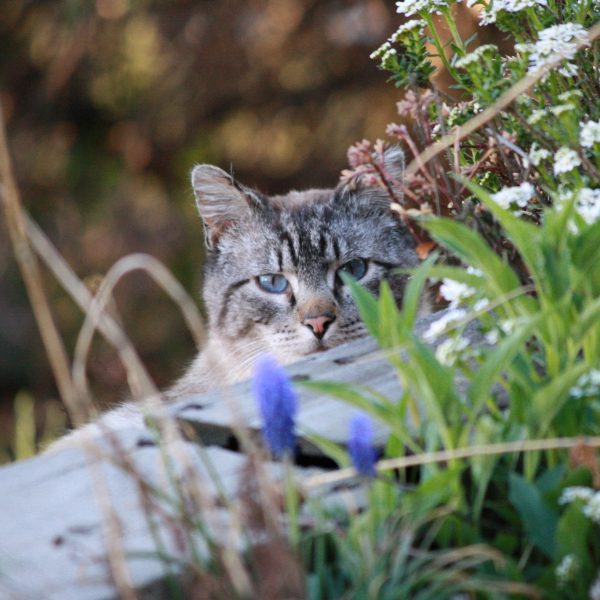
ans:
(360, 445)
(277, 403)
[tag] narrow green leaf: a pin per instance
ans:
(414, 291)
(549, 399)
(525, 236)
(473, 250)
(329, 448)
(497, 361)
(539, 520)
(366, 304)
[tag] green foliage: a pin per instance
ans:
(516, 356)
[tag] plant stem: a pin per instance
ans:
(29, 267)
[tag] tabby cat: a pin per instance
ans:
(272, 277)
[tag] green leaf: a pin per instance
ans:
(473, 250)
(366, 400)
(414, 291)
(538, 519)
(549, 399)
(525, 236)
(572, 533)
(329, 448)
(497, 361)
(389, 319)
(366, 303)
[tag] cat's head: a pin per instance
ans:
(272, 275)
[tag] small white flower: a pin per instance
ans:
(565, 160)
(587, 385)
(490, 14)
(476, 55)
(592, 508)
(562, 108)
(557, 41)
(481, 304)
(537, 155)
(412, 7)
(380, 51)
(537, 115)
(589, 134)
(509, 326)
(594, 592)
(577, 492)
(438, 327)
(568, 70)
(455, 291)
(492, 337)
(567, 569)
(413, 25)
(519, 195)
(474, 271)
(449, 350)
(567, 96)
(588, 205)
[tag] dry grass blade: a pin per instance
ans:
(460, 453)
(140, 383)
(33, 281)
(82, 296)
(489, 113)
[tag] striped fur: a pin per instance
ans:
(306, 236)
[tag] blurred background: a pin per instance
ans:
(109, 103)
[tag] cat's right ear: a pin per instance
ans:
(221, 201)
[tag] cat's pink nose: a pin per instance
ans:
(320, 324)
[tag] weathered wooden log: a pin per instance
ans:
(56, 509)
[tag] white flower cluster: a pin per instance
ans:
(586, 495)
(562, 108)
(557, 41)
(417, 25)
(570, 95)
(587, 385)
(565, 160)
(537, 115)
(507, 326)
(439, 326)
(537, 155)
(589, 134)
(594, 592)
(451, 349)
(455, 291)
(384, 52)
(588, 205)
(575, 493)
(519, 195)
(476, 55)
(490, 14)
(412, 7)
(567, 569)
(592, 509)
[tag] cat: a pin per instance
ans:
(272, 275)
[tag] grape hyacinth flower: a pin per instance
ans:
(360, 445)
(277, 403)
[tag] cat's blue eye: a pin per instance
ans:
(273, 283)
(356, 268)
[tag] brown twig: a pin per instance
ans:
(428, 458)
(29, 267)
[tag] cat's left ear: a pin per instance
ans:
(393, 167)
(393, 163)
(221, 201)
